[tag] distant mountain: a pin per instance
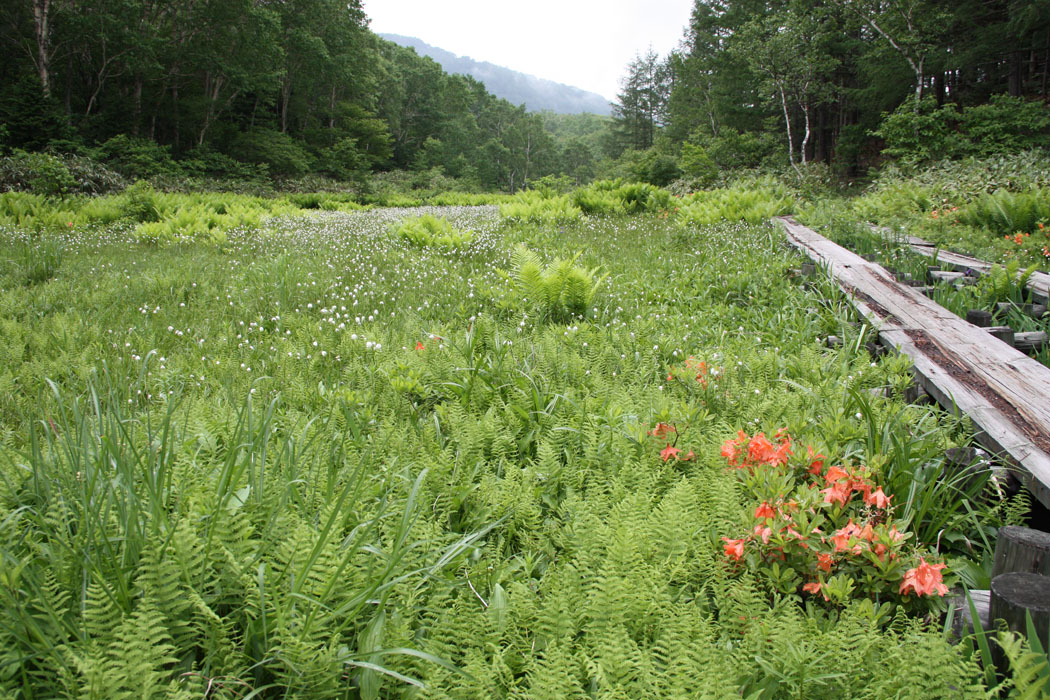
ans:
(517, 88)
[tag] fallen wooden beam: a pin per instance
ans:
(1004, 392)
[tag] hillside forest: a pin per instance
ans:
(265, 92)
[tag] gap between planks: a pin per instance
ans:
(1005, 393)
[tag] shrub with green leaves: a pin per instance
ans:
(429, 230)
(925, 131)
(136, 158)
(40, 173)
(749, 203)
(534, 207)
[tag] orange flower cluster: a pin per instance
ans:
(835, 521)
(748, 452)
(841, 485)
(924, 579)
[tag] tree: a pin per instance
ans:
(641, 106)
(913, 28)
(787, 49)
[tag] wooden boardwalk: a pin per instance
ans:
(1004, 392)
(1039, 282)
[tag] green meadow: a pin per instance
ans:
(449, 453)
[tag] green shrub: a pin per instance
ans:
(1006, 125)
(278, 151)
(749, 203)
(140, 203)
(922, 132)
(698, 165)
(929, 132)
(534, 207)
(662, 170)
(136, 158)
(431, 231)
(344, 160)
(41, 173)
(732, 150)
(57, 175)
(204, 162)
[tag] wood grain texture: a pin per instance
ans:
(1004, 392)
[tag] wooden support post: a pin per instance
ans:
(1016, 595)
(1022, 549)
(1003, 333)
(979, 317)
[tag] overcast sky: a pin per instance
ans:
(583, 43)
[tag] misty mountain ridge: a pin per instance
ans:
(537, 94)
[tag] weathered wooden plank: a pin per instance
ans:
(1004, 392)
(1039, 282)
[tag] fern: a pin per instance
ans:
(559, 292)
(1029, 677)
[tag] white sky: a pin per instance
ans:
(583, 43)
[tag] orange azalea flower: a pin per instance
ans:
(764, 511)
(730, 451)
(842, 536)
(761, 451)
(812, 587)
(763, 533)
(877, 498)
(662, 430)
(734, 549)
(669, 452)
(817, 463)
(824, 562)
(834, 474)
(837, 493)
(924, 579)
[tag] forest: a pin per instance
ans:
(273, 91)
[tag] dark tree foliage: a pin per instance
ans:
(787, 81)
(292, 86)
